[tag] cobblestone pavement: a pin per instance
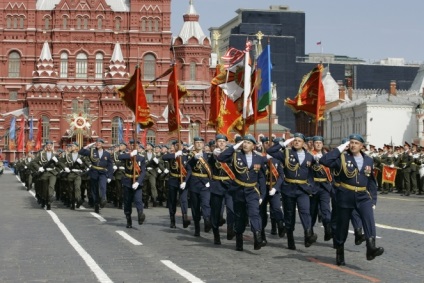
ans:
(75, 246)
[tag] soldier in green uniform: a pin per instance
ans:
(119, 173)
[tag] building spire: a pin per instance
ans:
(45, 69)
(117, 67)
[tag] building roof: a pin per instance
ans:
(418, 83)
(191, 27)
(115, 5)
(331, 87)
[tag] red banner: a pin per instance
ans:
(134, 98)
(21, 135)
(175, 93)
(39, 135)
(389, 174)
(311, 96)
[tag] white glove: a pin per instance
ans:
(183, 185)
(373, 206)
(67, 170)
(114, 167)
(287, 142)
(159, 171)
(342, 147)
(391, 166)
(156, 160)
(108, 180)
(238, 145)
(41, 169)
(317, 157)
(268, 156)
(133, 153)
(25, 167)
(54, 158)
(178, 153)
(207, 185)
(272, 192)
(216, 151)
(260, 201)
(190, 147)
(79, 160)
(135, 185)
(166, 171)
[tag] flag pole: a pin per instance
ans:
(137, 87)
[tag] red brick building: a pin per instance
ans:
(61, 57)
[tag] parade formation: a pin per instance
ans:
(237, 184)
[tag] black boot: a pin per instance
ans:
(186, 222)
(281, 229)
(208, 225)
(230, 232)
(141, 218)
(239, 242)
(216, 237)
(129, 221)
(372, 250)
(340, 256)
(273, 226)
(79, 203)
(96, 208)
(257, 243)
(222, 221)
(196, 228)
(264, 241)
(48, 206)
(327, 232)
(359, 236)
(310, 237)
(290, 241)
(172, 225)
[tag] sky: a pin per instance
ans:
(371, 30)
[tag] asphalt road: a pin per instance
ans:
(81, 246)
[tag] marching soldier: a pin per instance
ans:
(101, 171)
(387, 159)
(249, 188)
(177, 161)
(198, 180)
(298, 186)
(358, 190)
(405, 162)
(132, 184)
(119, 174)
(154, 167)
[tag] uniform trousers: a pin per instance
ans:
(246, 204)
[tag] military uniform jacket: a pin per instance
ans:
(99, 166)
(49, 166)
(322, 177)
(127, 180)
(297, 176)
(348, 173)
(174, 168)
(404, 162)
(153, 166)
(246, 177)
(199, 173)
(74, 166)
(274, 167)
(221, 182)
(120, 166)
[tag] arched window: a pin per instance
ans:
(99, 65)
(15, 22)
(151, 136)
(14, 64)
(85, 23)
(45, 122)
(9, 22)
(149, 25)
(81, 66)
(21, 22)
(46, 23)
(74, 105)
(78, 23)
(64, 65)
(143, 25)
(156, 25)
(99, 23)
(118, 24)
(86, 105)
(192, 71)
(149, 63)
(65, 22)
(117, 123)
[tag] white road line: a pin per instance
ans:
(129, 238)
(187, 275)
(101, 219)
(399, 229)
(100, 274)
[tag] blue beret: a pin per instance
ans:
(277, 140)
(318, 138)
(299, 135)
(237, 139)
(100, 140)
(174, 142)
(198, 139)
(49, 142)
(158, 145)
(69, 144)
(123, 143)
(309, 139)
(249, 138)
(264, 139)
(221, 137)
(75, 143)
(151, 144)
(357, 137)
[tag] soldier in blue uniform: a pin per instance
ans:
(177, 174)
(101, 171)
(198, 180)
(298, 186)
(249, 188)
(358, 190)
(323, 187)
(132, 184)
(223, 177)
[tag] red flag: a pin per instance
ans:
(311, 96)
(135, 99)
(39, 135)
(175, 93)
(389, 174)
(21, 135)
